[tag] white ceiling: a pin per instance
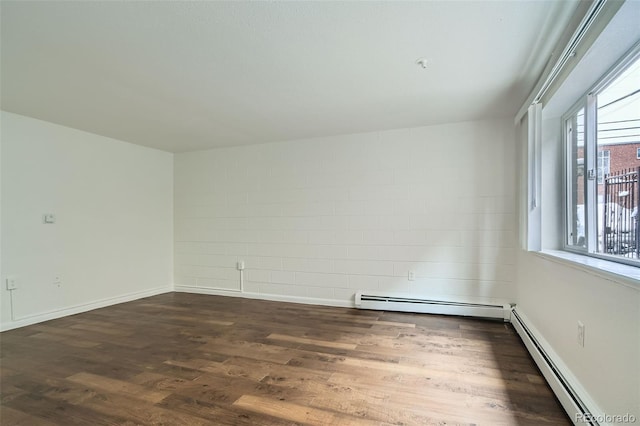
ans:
(183, 76)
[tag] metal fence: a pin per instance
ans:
(621, 205)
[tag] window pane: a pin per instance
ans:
(618, 146)
(575, 136)
(604, 164)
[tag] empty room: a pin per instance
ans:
(320, 212)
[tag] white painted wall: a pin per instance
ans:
(113, 238)
(551, 169)
(555, 296)
(323, 218)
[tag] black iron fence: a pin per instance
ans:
(621, 235)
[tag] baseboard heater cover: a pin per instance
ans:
(576, 406)
(403, 303)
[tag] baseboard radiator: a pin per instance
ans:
(557, 375)
(396, 302)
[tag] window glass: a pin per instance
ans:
(576, 208)
(602, 146)
(618, 146)
(604, 164)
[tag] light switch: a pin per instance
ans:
(49, 218)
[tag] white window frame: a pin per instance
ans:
(569, 123)
(588, 101)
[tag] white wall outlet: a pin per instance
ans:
(12, 283)
(49, 218)
(412, 275)
(581, 333)
(240, 265)
(57, 281)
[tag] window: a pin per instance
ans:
(577, 182)
(604, 163)
(602, 167)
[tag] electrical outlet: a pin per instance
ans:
(57, 281)
(12, 283)
(412, 276)
(581, 333)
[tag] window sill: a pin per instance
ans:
(620, 273)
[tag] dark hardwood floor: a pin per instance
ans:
(185, 359)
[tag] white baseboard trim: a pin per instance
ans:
(84, 307)
(573, 397)
(263, 296)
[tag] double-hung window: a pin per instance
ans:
(602, 167)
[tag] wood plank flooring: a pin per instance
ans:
(185, 359)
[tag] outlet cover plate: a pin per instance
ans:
(12, 283)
